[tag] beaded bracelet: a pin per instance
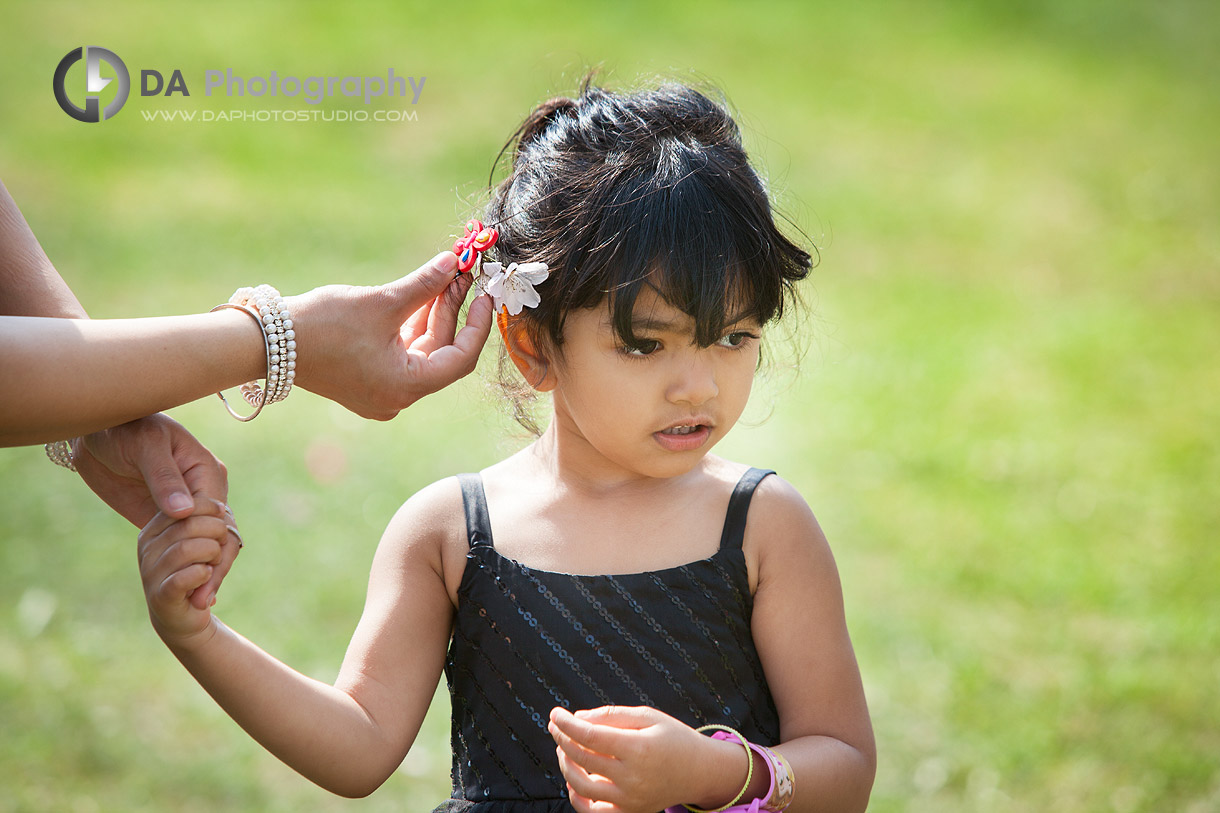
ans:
(60, 453)
(266, 307)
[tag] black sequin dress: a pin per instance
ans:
(527, 640)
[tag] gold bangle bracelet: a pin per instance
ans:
(749, 768)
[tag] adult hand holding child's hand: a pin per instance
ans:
(177, 558)
(154, 464)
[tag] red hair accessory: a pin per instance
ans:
(477, 239)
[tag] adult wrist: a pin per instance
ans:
(309, 345)
(268, 310)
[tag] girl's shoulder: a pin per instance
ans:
(781, 528)
(776, 504)
(431, 524)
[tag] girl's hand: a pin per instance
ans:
(178, 556)
(625, 759)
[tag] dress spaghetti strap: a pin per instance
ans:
(474, 501)
(739, 506)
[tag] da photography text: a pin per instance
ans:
(167, 83)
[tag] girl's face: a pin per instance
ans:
(653, 410)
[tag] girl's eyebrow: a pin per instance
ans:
(661, 325)
(658, 325)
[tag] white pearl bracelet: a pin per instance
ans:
(60, 453)
(265, 305)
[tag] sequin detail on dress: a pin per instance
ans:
(526, 640)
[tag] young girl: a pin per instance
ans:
(599, 596)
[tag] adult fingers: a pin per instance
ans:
(471, 338)
(416, 325)
(423, 285)
(442, 321)
(205, 475)
(430, 371)
(153, 456)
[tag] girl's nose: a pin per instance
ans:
(694, 380)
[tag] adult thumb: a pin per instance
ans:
(165, 482)
(421, 286)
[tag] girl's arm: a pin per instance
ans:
(801, 634)
(627, 760)
(349, 737)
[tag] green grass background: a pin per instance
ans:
(1006, 418)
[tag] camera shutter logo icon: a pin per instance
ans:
(93, 55)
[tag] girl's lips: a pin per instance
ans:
(683, 441)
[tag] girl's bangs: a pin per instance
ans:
(704, 254)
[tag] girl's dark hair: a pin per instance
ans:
(615, 192)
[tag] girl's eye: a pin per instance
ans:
(737, 338)
(645, 347)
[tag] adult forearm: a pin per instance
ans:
(69, 377)
(319, 731)
(29, 283)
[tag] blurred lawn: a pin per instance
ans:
(1005, 420)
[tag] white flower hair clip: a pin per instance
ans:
(512, 288)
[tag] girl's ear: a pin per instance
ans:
(524, 352)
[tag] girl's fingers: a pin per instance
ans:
(175, 587)
(194, 540)
(585, 805)
(590, 761)
(602, 738)
(192, 551)
(204, 506)
(231, 545)
(590, 786)
(579, 803)
(620, 716)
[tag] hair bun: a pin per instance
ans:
(542, 117)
